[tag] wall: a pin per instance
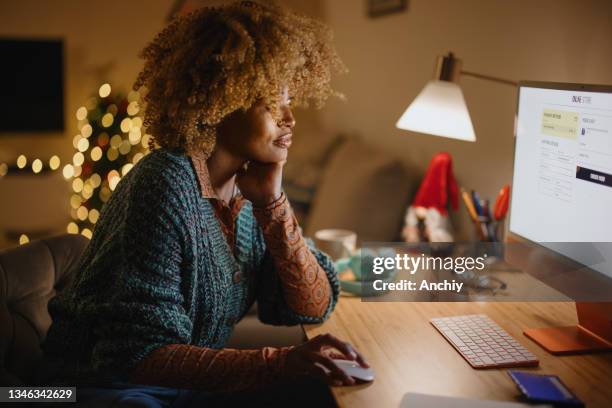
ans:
(391, 58)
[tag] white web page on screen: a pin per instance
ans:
(562, 184)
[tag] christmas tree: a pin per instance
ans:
(110, 142)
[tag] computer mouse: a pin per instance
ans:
(353, 369)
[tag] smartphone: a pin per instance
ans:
(544, 388)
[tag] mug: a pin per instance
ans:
(337, 243)
(362, 264)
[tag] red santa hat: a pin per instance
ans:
(438, 185)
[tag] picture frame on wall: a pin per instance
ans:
(378, 8)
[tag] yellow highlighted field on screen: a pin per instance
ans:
(560, 123)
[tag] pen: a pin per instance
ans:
(476, 201)
(469, 205)
(501, 203)
(485, 209)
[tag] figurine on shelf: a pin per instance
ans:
(426, 219)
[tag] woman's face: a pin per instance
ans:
(255, 135)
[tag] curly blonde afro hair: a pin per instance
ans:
(207, 64)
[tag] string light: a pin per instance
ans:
(3, 169)
(133, 108)
(54, 162)
(115, 141)
(83, 145)
(86, 233)
(96, 153)
(81, 113)
(125, 147)
(95, 180)
(22, 161)
(136, 158)
(68, 171)
(86, 130)
(82, 213)
(107, 120)
(78, 159)
(75, 141)
(75, 201)
(112, 109)
(104, 90)
(77, 185)
(94, 215)
(87, 191)
(134, 136)
(113, 183)
(137, 122)
(126, 125)
(72, 228)
(37, 166)
(126, 168)
(112, 154)
(23, 239)
(103, 139)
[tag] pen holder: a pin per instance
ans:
(493, 232)
(489, 230)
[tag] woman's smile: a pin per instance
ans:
(283, 141)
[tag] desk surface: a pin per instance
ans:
(409, 355)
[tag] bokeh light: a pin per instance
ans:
(54, 162)
(72, 228)
(68, 171)
(78, 159)
(86, 130)
(22, 161)
(37, 166)
(81, 113)
(112, 154)
(104, 90)
(96, 153)
(83, 145)
(126, 125)
(107, 120)
(82, 213)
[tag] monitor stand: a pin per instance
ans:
(592, 334)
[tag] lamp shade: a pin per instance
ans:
(439, 110)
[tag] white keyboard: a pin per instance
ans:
(482, 342)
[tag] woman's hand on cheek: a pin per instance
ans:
(261, 183)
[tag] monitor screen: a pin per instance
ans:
(32, 82)
(562, 183)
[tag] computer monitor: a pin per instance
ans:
(562, 204)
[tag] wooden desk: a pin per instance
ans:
(409, 355)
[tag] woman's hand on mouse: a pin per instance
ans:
(308, 358)
(260, 183)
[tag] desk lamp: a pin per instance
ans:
(440, 108)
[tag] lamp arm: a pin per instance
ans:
(489, 78)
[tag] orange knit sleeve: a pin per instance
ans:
(305, 284)
(187, 366)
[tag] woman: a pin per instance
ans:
(200, 228)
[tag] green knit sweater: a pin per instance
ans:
(158, 271)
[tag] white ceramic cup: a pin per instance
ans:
(337, 243)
